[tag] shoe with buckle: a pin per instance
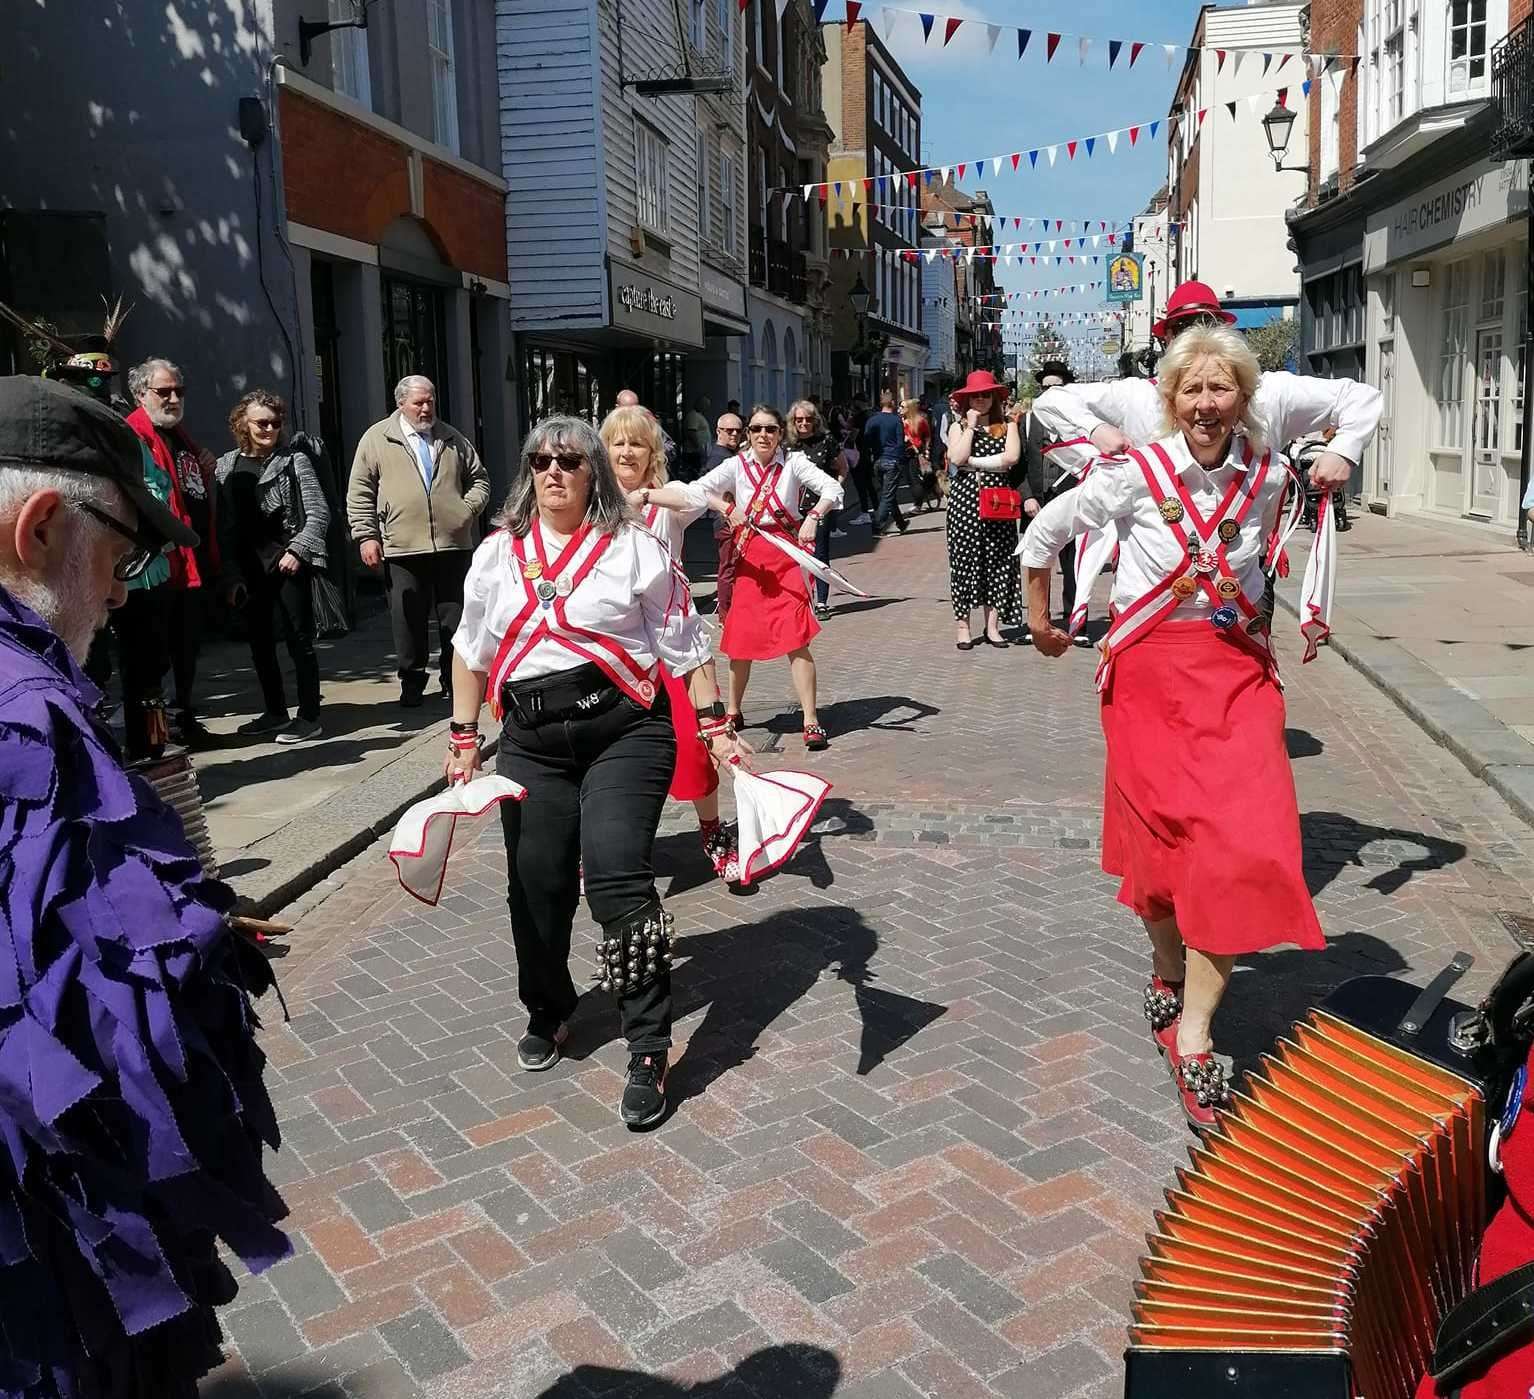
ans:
(719, 847)
(1202, 1088)
(815, 739)
(644, 1095)
(536, 1052)
(1163, 1008)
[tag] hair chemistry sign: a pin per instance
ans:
(1457, 206)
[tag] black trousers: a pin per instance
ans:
(863, 479)
(139, 626)
(184, 613)
(595, 790)
(279, 605)
(891, 478)
(421, 585)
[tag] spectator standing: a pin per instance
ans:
(918, 441)
(727, 434)
(884, 444)
(272, 521)
(413, 503)
(1044, 484)
(697, 437)
(159, 389)
(807, 433)
(862, 465)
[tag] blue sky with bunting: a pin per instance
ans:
(979, 102)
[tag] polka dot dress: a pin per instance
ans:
(982, 568)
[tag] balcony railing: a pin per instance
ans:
(1512, 76)
(758, 259)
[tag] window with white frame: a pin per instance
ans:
(1467, 47)
(724, 15)
(349, 55)
(444, 76)
(1454, 334)
(728, 195)
(760, 11)
(700, 25)
(1516, 435)
(1493, 285)
(651, 163)
(1331, 134)
(705, 204)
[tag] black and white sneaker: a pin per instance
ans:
(267, 723)
(538, 1052)
(644, 1097)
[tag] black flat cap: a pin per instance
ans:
(56, 428)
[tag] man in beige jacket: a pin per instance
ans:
(417, 488)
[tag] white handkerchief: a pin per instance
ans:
(772, 813)
(1320, 577)
(423, 837)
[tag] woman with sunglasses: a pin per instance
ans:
(633, 440)
(759, 492)
(571, 611)
(272, 518)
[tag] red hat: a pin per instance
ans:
(980, 381)
(1191, 299)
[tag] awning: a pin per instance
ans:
(722, 323)
(1250, 317)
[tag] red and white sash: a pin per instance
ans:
(1152, 608)
(681, 589)
(538, 621)
(765, 508)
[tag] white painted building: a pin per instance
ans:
(1152, 241)
(940, 312)
(1223, 188)
(624, 213)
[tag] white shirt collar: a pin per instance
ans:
(1176, 447)
(411, 430)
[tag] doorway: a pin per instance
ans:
(415, 337)
(1384, 435)
(1486, 473)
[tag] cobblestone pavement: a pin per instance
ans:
(921, 1127)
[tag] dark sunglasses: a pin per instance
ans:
(772, 428)
(568, 462)
(137, 559)
(174, 391)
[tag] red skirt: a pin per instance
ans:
(770, 611)
(1199, 813)
(695, 775)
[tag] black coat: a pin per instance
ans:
(1040, 477)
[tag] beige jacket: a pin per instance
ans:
(386, 499)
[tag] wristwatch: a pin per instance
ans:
(715, 710)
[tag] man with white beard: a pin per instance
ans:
(132, 1109)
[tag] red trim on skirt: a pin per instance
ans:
(1199, 814)
(770, 611)
(695, 775)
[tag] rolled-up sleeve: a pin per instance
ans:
(476, 639)
(821, 483)
(676, 631)
(1107, 494)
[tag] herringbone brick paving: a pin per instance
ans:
(921, 1127)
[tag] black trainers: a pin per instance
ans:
(644, 1098)
(194, 737)
(267, 723)
(538, 1052)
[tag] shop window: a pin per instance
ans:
(1493, 280)
(651, 161)
(1449, 382)
(1467, 47)
(444, 77)
(349, 55)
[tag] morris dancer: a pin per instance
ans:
(770, 613)
(633, 441)
(1199, 811)
(570, 612)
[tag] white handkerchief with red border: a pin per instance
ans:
(773, 813)
(423, 837)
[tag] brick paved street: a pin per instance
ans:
(922, 1127)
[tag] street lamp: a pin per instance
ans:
(860, 296)
(1278, 126)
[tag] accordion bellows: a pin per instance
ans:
(1326, 1225)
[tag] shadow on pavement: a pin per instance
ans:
(1332, 840)
(803, 1371)
(864, 604)
(221, 778)
(1303, 744)
(1271, 990)
(893, 713)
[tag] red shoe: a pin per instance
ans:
(1163, 1008)
(1201, 1085)
(719, 847)
(815, 739)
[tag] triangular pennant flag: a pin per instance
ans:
(931, 254)
(950, 28)
(1016, 156)
(854, 9)
(1267, 62)
(1317, 62)
(1353, 68)
(1305, 87)
(1089, 143)
(1235, 67)
(1283, 97)
(1033, 160)
(1219, 56)
(1113, 142)
(1171, 54)
(1231, 108)
(837, 185)
(1051, 152)
(992, 34)
(996, 164)
(807, 190)
(926, 176)
(960, 171)
(1134, 134)
(926, 25)
(782, 5)
(1023, 35)
(1058, 225)
(1114, 45)
(1051, 43)
(1153, 127)
(1134, 53)
(1202, 113)
(1083, 45)
(821, 191)
(947, 172)
(1070, 154)
(913, 177)
(820, 10)
(1253, 99)
(890, 16)
(1283, 59)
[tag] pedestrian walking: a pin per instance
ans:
(272, 520)
(862, 464)
(1200, 820)
(984, 450)
(633, 442)
(1044, 484)
(808, 433)
(133, 1110)
(918, 456)
(413, 503)
(884, 444)
(571, 609)
(159, 389)
(770, 615)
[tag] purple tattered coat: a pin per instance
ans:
(132, 1109)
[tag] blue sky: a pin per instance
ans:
(978, 104)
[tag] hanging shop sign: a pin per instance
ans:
(1126, 277)
(647, 305)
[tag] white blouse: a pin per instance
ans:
(798, 473)
(670, 526)
(1115, 496)
(621, 592)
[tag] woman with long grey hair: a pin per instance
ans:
(570, 610)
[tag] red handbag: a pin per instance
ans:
(1000, 503)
